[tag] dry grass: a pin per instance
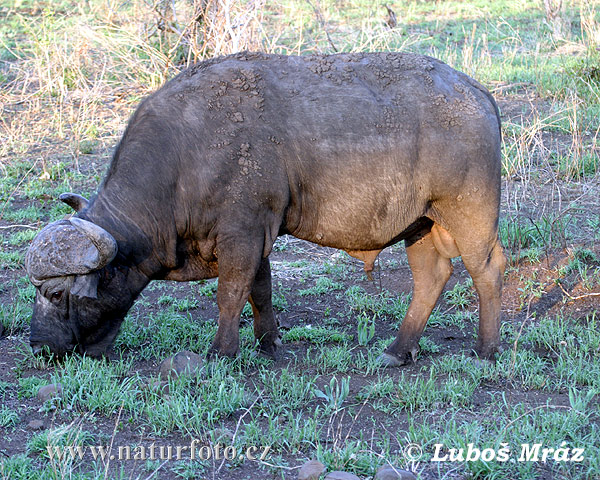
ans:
(590, 24)
(78, 80)
(77, 77)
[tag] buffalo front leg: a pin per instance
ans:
(265, 324)
(431, 270)
(238, 265)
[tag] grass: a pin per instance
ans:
(461, 295)
(322, 285)
(165, 331)
(70, 76)
(15, 315)
(92, 386)
(29, 386)
(316, 335)
(193, 406)
(285, 390)
(8, 418)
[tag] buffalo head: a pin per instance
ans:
(81, 298)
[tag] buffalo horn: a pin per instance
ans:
(104, 241)
(76, 202)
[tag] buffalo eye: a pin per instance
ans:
(56, 296)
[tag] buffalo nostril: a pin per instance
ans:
(36, 348)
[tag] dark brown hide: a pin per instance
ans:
(352, 151)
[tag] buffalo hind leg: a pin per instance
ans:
(265, 324)
(238, 265)
(476, 239)
(486, 267)
(431, 270)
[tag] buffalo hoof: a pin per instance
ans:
(481, 359)
(387, 360)
(390, 359)
(214, 353)
(489, 353)
(270, 351)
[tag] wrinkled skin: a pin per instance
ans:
(351, 151)
(66, 322)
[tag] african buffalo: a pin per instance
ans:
(351, 151)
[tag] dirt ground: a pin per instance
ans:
(552, 294)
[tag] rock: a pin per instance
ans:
(222, 435)
(387, 472)
(47, 392)
(36, 425)
(159, 386)
(337, 475)
(188, 363)
(311, 470)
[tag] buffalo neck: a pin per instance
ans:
(136, 249)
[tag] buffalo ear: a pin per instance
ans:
(76, 202)
(85, 286)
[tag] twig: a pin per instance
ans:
(513, 360)
(391, 21)
(112, 440)
(579, 297)
(499, 88)
(527, 413)
(156, 470)
(6, 227)
(322, 22)
(262, 462)
(446, 475)
(237, 427)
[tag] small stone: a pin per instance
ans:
(188, 363)
(387, 472)
(159, 386)
(36, 425)
(311, 470)
(337, 475)
(48, 392)
(221, 435)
